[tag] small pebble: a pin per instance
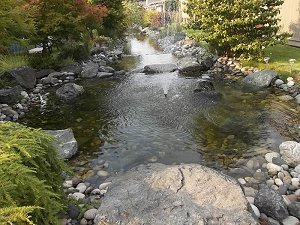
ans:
(255, 210)
(90, 214)
(241, 181)
(278, 182)
(290, 220)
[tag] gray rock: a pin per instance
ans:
(291, 220)
(160, 68)
(90, 214)
(25, 76)
(207, 61)
(10, 95)
(260, 79)
(185, 194)
(297, 98)
(66, 144)
(279, 82)
(77, 196)
(90, 70)
(73, 211)
(106, 69)
(290, 151)
(297, 169)
(190, 66)
(271, 203)
(75, 69)
(294, 209)
(69, 92)
(205, 85)
(104, 75)
(83, 221)
(120, 73)
(44, 73)
(269, 156)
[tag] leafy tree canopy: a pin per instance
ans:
(236, 27)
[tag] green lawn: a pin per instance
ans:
(279, 61)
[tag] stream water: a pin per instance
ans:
(128, 121)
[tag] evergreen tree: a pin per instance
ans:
(236, 27)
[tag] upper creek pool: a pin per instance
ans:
(128, 121)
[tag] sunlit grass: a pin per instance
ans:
(279, 61)
(8, 62)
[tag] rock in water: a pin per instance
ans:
(271, 203)
(25, 76)
(260, 79)
(90, 70)
(290, 151)
(205, 85)
(178, 194)
(160, 68)
(69, 92)
(189, 66)
(67, 144)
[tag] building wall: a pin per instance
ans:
(290, 20)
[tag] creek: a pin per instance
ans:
(128, 121)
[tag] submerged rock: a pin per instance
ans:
(260, 79)
(160, 68)
(185, 194)
(66, 144)
(69, 92)
(190, 66)
(204, 85)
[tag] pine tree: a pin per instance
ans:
(237, 27)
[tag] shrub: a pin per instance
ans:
(237, 28)
(8, 62)
(74, 50)
(48, 61)
(30, 176)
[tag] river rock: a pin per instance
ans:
(104, 74)
(204, 85)
(73, 211)
(106, 69)
(206, 61)
(90, 214)
(271, 203)
(290, 151)
(160, 68)
(10, 95)
(291, 220)
(294, 209)
(184, 194)
(73, 68)
(90, 70)
(25, 76)
(66, 145)
(260, 79)
(190, 66)
(44, 73)
(269, 156)
(297, 98)
(69, 92)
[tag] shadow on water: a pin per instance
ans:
(129, 121)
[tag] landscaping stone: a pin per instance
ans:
(104, 75)
(44, 73)
(204, 85)
(73, 211)
(160, 68)
(25, 76)
(271, 203)
(90, 70)
(69, 92)
(75, 69)
(90, 214)
(290, 220)
(10, 95)
(290, 151)
(191, 194)
(294, 209)
(190, 67)
(260, 79)
(66, 145)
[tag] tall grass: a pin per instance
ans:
(11, 61)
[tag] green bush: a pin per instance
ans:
(74, 50)
(237, 28)
(11, 61)
(30, 176)
(48, 61)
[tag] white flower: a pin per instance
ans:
(266, 25)
(265, 7)
(267, 59)
(263, 47)
(292, 61)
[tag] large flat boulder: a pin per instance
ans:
(44, 73)
(160, 68)
(66, 144)
(178, 194)
(189, 66)
(25, 76)
(10, 95)
(260, 79)
(69, 92)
